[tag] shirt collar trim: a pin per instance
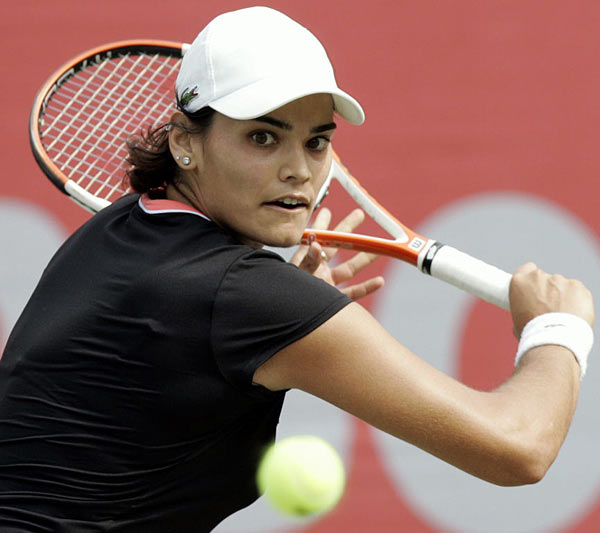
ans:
(159, 206)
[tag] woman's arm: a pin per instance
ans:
(509, 436)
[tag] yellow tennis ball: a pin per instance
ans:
(302, 475)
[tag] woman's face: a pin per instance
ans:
(260, 178)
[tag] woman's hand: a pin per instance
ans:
(314, 258)
(534, 292)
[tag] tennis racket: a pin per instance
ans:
(85, 112)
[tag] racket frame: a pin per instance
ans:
(96, 55)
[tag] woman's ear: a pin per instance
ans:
(180, 142)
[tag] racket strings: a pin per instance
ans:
(155, 104)
(108, 101)
(89, 117)
(75, 105)
(122, 128)
(125, 93)
(76, 137)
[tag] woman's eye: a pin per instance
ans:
(318, 144)
(264, 138)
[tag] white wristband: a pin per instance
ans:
(562, 329)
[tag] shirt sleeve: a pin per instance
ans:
(264, 304)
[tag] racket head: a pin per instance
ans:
(87, 109)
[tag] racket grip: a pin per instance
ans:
(468, 273)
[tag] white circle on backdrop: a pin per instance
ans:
(29, 236)
(428, 317)
(303, 414)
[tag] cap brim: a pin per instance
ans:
(266, 95)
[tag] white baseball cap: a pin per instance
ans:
(247, 63)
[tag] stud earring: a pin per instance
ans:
(186, 160)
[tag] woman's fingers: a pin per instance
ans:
(323, 219)
(301, 257)
(347, 225)
(308, 258)
(347, 270)
(314, 258)
(360, 290)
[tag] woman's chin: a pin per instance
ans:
(285, 243)
(286, 240)
(283, 240)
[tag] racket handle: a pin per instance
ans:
(467, 273)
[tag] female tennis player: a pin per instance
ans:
(148, 370)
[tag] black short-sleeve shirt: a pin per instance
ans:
(126, 394)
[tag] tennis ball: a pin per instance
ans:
(302, 475)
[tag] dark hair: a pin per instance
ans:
(151, 164)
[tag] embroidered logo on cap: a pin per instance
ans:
(188, 95)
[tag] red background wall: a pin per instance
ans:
(462, 97)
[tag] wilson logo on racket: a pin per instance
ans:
(417, 243)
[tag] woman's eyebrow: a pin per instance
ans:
(274, 122)
(288, 127)
(324, 127)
